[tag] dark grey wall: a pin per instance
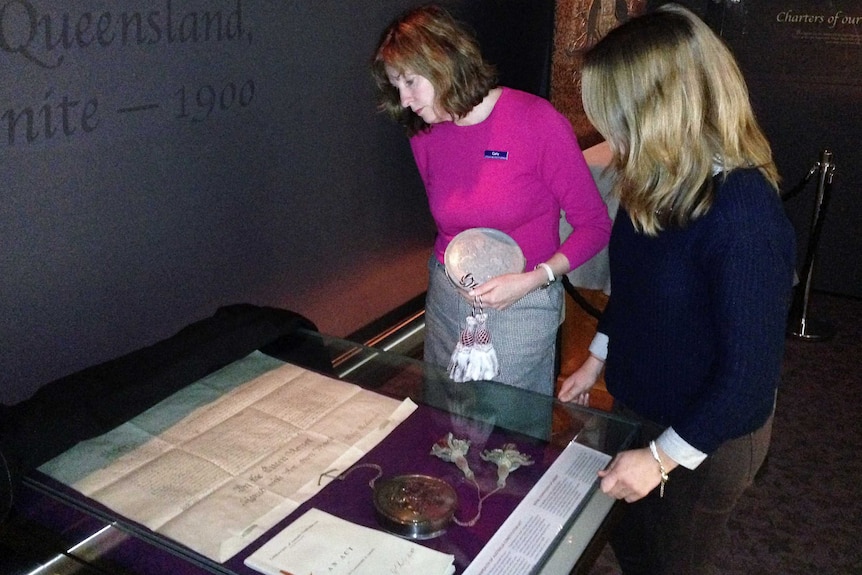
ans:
(804, 65)
(804, 69)
(148, 177)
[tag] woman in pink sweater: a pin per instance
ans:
(490, 157)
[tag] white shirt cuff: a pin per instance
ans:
(679, 449)
(599, 346)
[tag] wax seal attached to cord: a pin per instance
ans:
(478, 254)
(415, 506)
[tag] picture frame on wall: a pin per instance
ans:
(579, 25)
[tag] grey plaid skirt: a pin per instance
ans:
(523, 335)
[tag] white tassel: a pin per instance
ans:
(460, 361)
(483, 363)
(474, 358)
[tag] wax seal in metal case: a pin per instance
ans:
(478, 254)
(414, 506)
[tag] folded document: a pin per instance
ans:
(318, 542)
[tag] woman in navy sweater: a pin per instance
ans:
(702, 263)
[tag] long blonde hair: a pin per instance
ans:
(666, 93)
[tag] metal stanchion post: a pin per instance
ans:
(799, 324)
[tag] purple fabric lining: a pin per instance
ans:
(407, 450)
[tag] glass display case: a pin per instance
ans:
(88, 536)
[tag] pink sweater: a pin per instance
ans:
(514, 172)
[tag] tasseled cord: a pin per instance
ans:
(474, 358)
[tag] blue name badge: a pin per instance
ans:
(496, 155)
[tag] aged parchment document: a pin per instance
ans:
(219, 463)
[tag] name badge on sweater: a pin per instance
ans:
(496, 155)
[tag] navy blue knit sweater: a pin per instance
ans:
(697, 315)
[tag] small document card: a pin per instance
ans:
(318, 542)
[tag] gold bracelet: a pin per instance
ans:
(664, 477)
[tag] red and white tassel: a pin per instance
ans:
(483, 363)
(460, 361)
(474, 358)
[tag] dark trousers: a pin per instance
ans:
(680, 533)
